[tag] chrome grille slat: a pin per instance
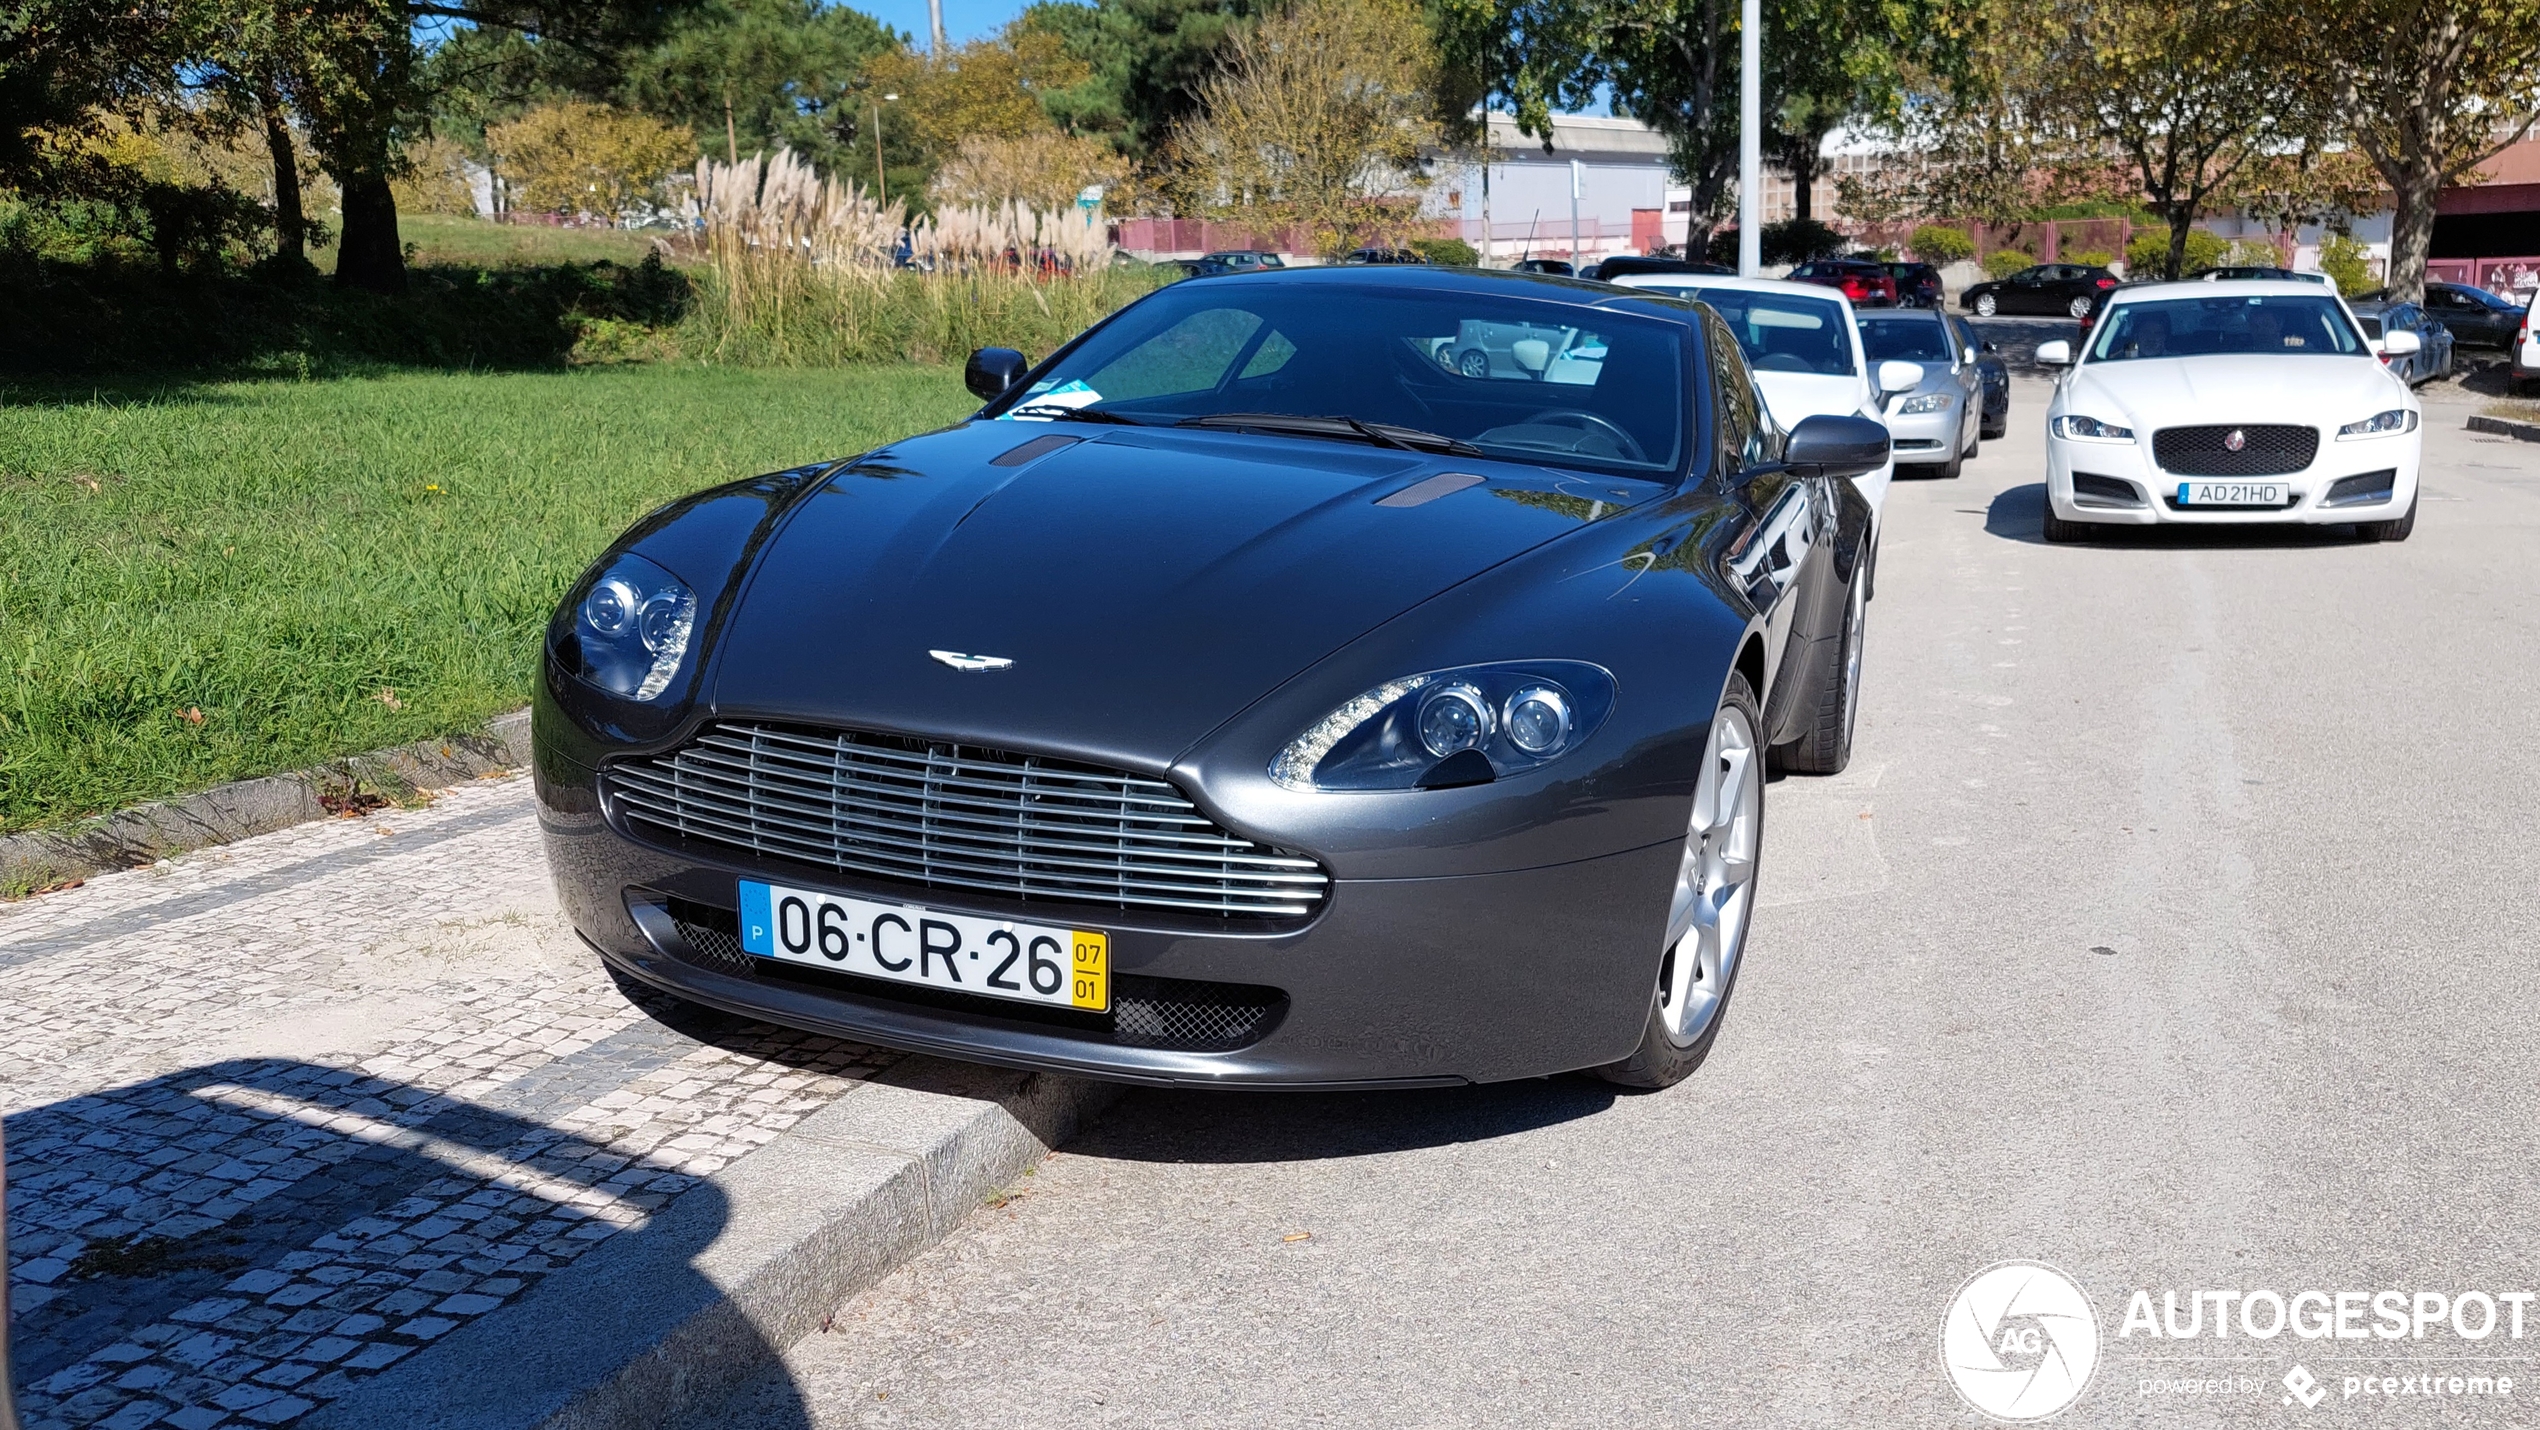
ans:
(936, 814)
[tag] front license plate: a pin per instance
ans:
(1030, 963)
(2233, 494)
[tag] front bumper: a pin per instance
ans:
(1926, 437)
(2153, 492)
(1400, 982)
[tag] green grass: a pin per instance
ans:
(320, 568)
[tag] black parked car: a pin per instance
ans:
(1246, 259)
(2061, 289)
(1244, 695)
(1383, 255)
(1917, 284)
(2474, 315)
(1557, 267)
(1628, 263)
(1997, 378)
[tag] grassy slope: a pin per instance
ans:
(276, 555)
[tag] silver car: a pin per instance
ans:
(1940, 422)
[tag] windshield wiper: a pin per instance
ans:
(1053, 412)
(1382, 434)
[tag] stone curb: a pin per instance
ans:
(146, 833)
(666, 1322)
(2506, 427)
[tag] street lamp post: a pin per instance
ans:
(1750, 140)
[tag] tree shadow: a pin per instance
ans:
(266, 1237)
(65, 329)
(2019, 514)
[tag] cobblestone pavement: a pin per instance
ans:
(282, 1112)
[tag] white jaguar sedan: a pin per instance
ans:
(2227, 404)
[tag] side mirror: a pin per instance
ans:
(2399, 344)
(2055, 354)
(991, 373)
(1532, 354)
(1896, 375)
(1833, 446)
(1993, 348)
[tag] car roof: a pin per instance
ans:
(1722, 280)
(1552, 287)
(2200, 288)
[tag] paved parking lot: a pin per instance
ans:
(283, 1113)
(2173, 926)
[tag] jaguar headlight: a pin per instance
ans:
(1924, 402)
(2380, 424)
(632, 629)
(1451, 727)
(2091, 429)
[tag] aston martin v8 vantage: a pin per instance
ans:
(1254, 692)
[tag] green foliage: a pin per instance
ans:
(2091, 257)
(1799, 240)
(1939, 244)
(2003, 262)
(2147, 254)
(1453, 252)
(790, 68)
(208, 583)
(797, 316)
(2344, 259)
(1145, 60)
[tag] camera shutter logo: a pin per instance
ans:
(2020, 1341)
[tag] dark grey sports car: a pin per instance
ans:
(1250, 693)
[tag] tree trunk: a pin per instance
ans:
(1803, 178)
(2414, 194)
(368, 255)
(2181, 221)
(290, 225)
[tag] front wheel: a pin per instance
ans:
(1987, 306)
(2399, 530)
(2059, 532)
(1473, 363)
(1714, 896)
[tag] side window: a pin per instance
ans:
(1742, 422)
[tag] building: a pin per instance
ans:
(1518, 201)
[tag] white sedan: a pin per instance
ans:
(2228, 404)
(1803, 344)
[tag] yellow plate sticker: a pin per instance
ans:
(1089, 982)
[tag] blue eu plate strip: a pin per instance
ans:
(758, 925)
(2182, 501)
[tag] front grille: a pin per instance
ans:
(2266, 451)
(1180, 1014)
(2357, 491)
(938, 815)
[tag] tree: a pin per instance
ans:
(1144, 62)
(1832, 61)
(575, 157)
(764, 75)
(1317, 119)
(2429, 90)
(1044, 171)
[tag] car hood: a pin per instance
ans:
(1145, 585)
(1795, 395)
(2165, 392)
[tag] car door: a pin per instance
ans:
(2022, 293)
(1771, 561)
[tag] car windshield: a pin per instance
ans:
(1780, 332)
(2202, 327)
(1912, 339)
(1514, 376)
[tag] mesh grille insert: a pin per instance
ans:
(935, 814)
(2265, 451)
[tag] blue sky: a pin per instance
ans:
(963, 19)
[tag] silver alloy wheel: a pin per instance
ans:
(2079, 308)
(1715, 880)
(1985, 306)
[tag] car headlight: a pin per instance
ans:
(632, 628)
(1924, 402)
(2381, 424)
(1464, 726)
(2091, 429)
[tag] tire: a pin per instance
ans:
(2079, 307)
(1987, 305)
(2397, 530)
(1713, 903)
(1826, 746)
(1473, 363)
(1996, 431)
(2059, 532)
(1950, 469)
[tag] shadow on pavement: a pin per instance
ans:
(1199, 1126)
(260, 1237)
(2019, 513)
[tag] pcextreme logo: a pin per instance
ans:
(2020, 1341)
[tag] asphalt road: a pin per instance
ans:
(2173, 926)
